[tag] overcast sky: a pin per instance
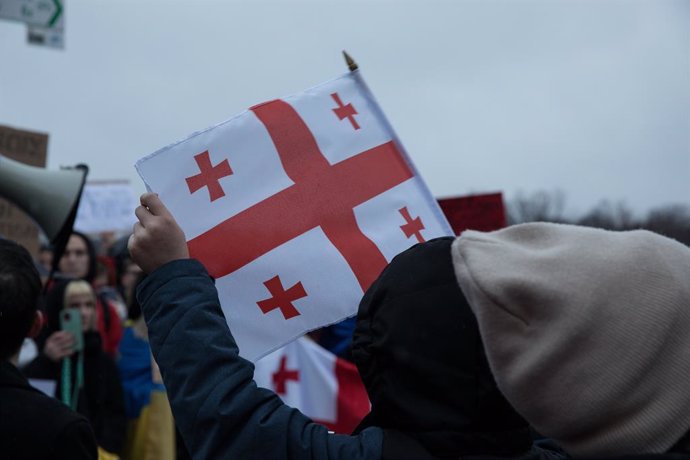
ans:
(590, 97)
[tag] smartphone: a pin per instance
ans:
(70, 321)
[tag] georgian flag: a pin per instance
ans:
(295, 206)
(322, 386)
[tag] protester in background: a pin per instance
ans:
(129, 275)
(45, 257)
(87, 379)
(417, 347)
(32, 425)
(79, 262)
(106, 241)
(337, 338)
(42, 273)
(151, 428)
(119, 253)
(104, 285)
(105, 273)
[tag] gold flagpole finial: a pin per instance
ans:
(351, 64)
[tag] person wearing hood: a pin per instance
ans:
(416, 344)
(587, 332)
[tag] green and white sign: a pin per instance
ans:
(45, 20)
(42, 13)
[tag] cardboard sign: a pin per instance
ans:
(474, 212)
(30, 148)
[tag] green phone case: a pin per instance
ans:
(70, 321)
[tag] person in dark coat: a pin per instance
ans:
(32, 425)
(99, 395)
(417, 347)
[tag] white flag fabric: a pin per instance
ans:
(322, 386)
(295, 206)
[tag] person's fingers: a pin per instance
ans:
(60, 336)
(133, 242)
(144, 198)
(155, 205)
(144, 215)
(65, 340)
(137, 231)
(130, 240)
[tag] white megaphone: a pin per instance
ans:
(50, 198)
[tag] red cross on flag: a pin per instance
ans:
(322, 386)
(295, 206)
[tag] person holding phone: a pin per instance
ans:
(87, 378)
(32, 425)
(79, 261)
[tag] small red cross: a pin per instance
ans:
(282, 375)
(412, 226)
(209, 176)
(345, 111)
(282, 299)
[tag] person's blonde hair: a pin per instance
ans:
(78, 287)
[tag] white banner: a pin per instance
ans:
(106, 206)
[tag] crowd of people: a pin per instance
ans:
(102, 368)
(538, 341)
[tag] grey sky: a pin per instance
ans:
(592, 97)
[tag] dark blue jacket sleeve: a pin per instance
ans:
(218, 408)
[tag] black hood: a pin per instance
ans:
(418, 349)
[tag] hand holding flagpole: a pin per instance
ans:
(157, 238)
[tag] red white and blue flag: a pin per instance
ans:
(295, 206)
(322, 386)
